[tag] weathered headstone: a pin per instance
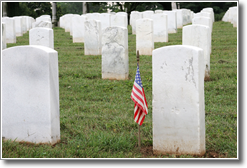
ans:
(41, 36)
(78, 28)
(4, 45)
(18, 26)
(144, 36)
(199, 36)
(44, 18)
(44, 24)
(92, 37)
(115, 60)
(178, 100)
(10, 29)
(160, 27)
(30, 94)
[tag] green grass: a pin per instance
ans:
(96, 116)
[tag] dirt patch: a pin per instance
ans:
(147, 152)
(215, 154)
(207, 79)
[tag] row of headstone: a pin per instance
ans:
(175, 18)
(178, 122)
(231, 15)
(74, 23)
(30, 73)
(16, 26)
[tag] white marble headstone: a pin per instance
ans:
(18, 26)
(118, 20)
(144, 36)
(45, 24)
(41, 36)
(178, 100)
(4, 45)
(206, 22)
(10, 29)
(135, 16)
(92, 37)
(199, 36)
(172, 21)
(105, 19)
(115, 60)
(78, 28)
(160, 27)
(30, 94)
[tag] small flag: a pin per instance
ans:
(138, 96)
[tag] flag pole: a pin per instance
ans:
(139, 127)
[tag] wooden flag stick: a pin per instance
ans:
(139, 127)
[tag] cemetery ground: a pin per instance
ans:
(96, 115)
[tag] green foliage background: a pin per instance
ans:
(36, 9)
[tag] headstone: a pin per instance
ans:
(226, 16)
(93, 16)
(78, 29)
(105, 19)
(125, 16)
(233, 15)
(135, 16)
(92, 37)
(147, 14)
(118, 20)
(10, 29)
(160, 27)
(71, 24)
(30, 94)
(67, 22)
(178, 100)
(144, 36)
(179, 13)
(61, 21)
(115, 60)
(210, 10)
(4, 45)
(41, 36)
(24, 24)
(174, 6)
(172, 21)
(199, 36)
(158, 11)
(206, 22)
(44, 24)
(44, 18)
(18, 26)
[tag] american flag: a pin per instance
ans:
(138, 96)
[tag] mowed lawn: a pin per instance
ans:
(96, 115)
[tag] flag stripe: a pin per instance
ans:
(138, 96)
